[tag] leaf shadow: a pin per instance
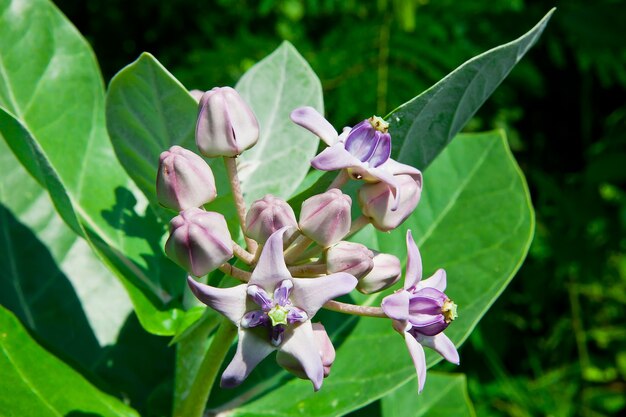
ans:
(41, 295)
(157, 273)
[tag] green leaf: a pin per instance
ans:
(443, 395)
(147, 112)
(67, 297)
(35, 383)
(274, 87)
(43, 62)
(476, 221)
(422, 127)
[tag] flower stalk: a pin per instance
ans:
(355, 310)
(235, 272)
(231, 169)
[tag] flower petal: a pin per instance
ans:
(253, 318)
(310, 119)
(413, 263)
(361, 142)
(443, 345)
(397, 168)
(419, 359)
(301, 346)
(231, 302)
(382, 152)
(396, 305)
(271, 268)
(380, 174)
(436, 281)
(333, 158)
(281, 293)
(252, 348)
(310, 294)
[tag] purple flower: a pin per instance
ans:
(364, 151)
(421, 312)
(273, 312)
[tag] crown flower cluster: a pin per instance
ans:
(297, 260)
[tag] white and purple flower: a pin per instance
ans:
(363, 151)
(273, 312)
(421, 312)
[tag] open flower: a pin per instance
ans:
(364, 151)
(273, 312)
(421, 312)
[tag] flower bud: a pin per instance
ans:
(184, 180)
(376, 201)
(325, 218)
(326, 351)
(226, 124)
(352, 258)
(384, 274)
(267, 215)
(199, 241)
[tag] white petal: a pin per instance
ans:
(413, 263)
(271, 269)
(443, 345)
(302, 347)
(231, 302)
(310, 119)
(436, 281)
(419, 359)
(252, 348)
(310, 294)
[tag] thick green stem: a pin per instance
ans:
(193, 404)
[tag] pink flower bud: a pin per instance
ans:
(267, 215)
(184, 180)
(325, 218)
(326, 351)
(384, 274)
(352, 258)
(376, 201)
(199, 241)
(226, 124)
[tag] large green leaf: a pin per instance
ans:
(43, 62)
(67, 297)
(275, 86)
(148, 111)
(476, 221)
(422, 127)
(35, 383)
(444, 395)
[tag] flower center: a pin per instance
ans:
(449, 311)
(278, 315)
(379, 124)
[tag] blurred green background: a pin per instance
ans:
(555, 343)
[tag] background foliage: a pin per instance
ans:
(555, 343)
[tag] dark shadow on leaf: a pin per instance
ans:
(40, 295)
(138, 364)
(159, 276)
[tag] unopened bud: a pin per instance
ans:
(184, 180)
(324, 346)
(226, 124)
(199, 241)
(352, 258)
(377, 200)
(384, 274)
(267, 215)
(325, 218)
